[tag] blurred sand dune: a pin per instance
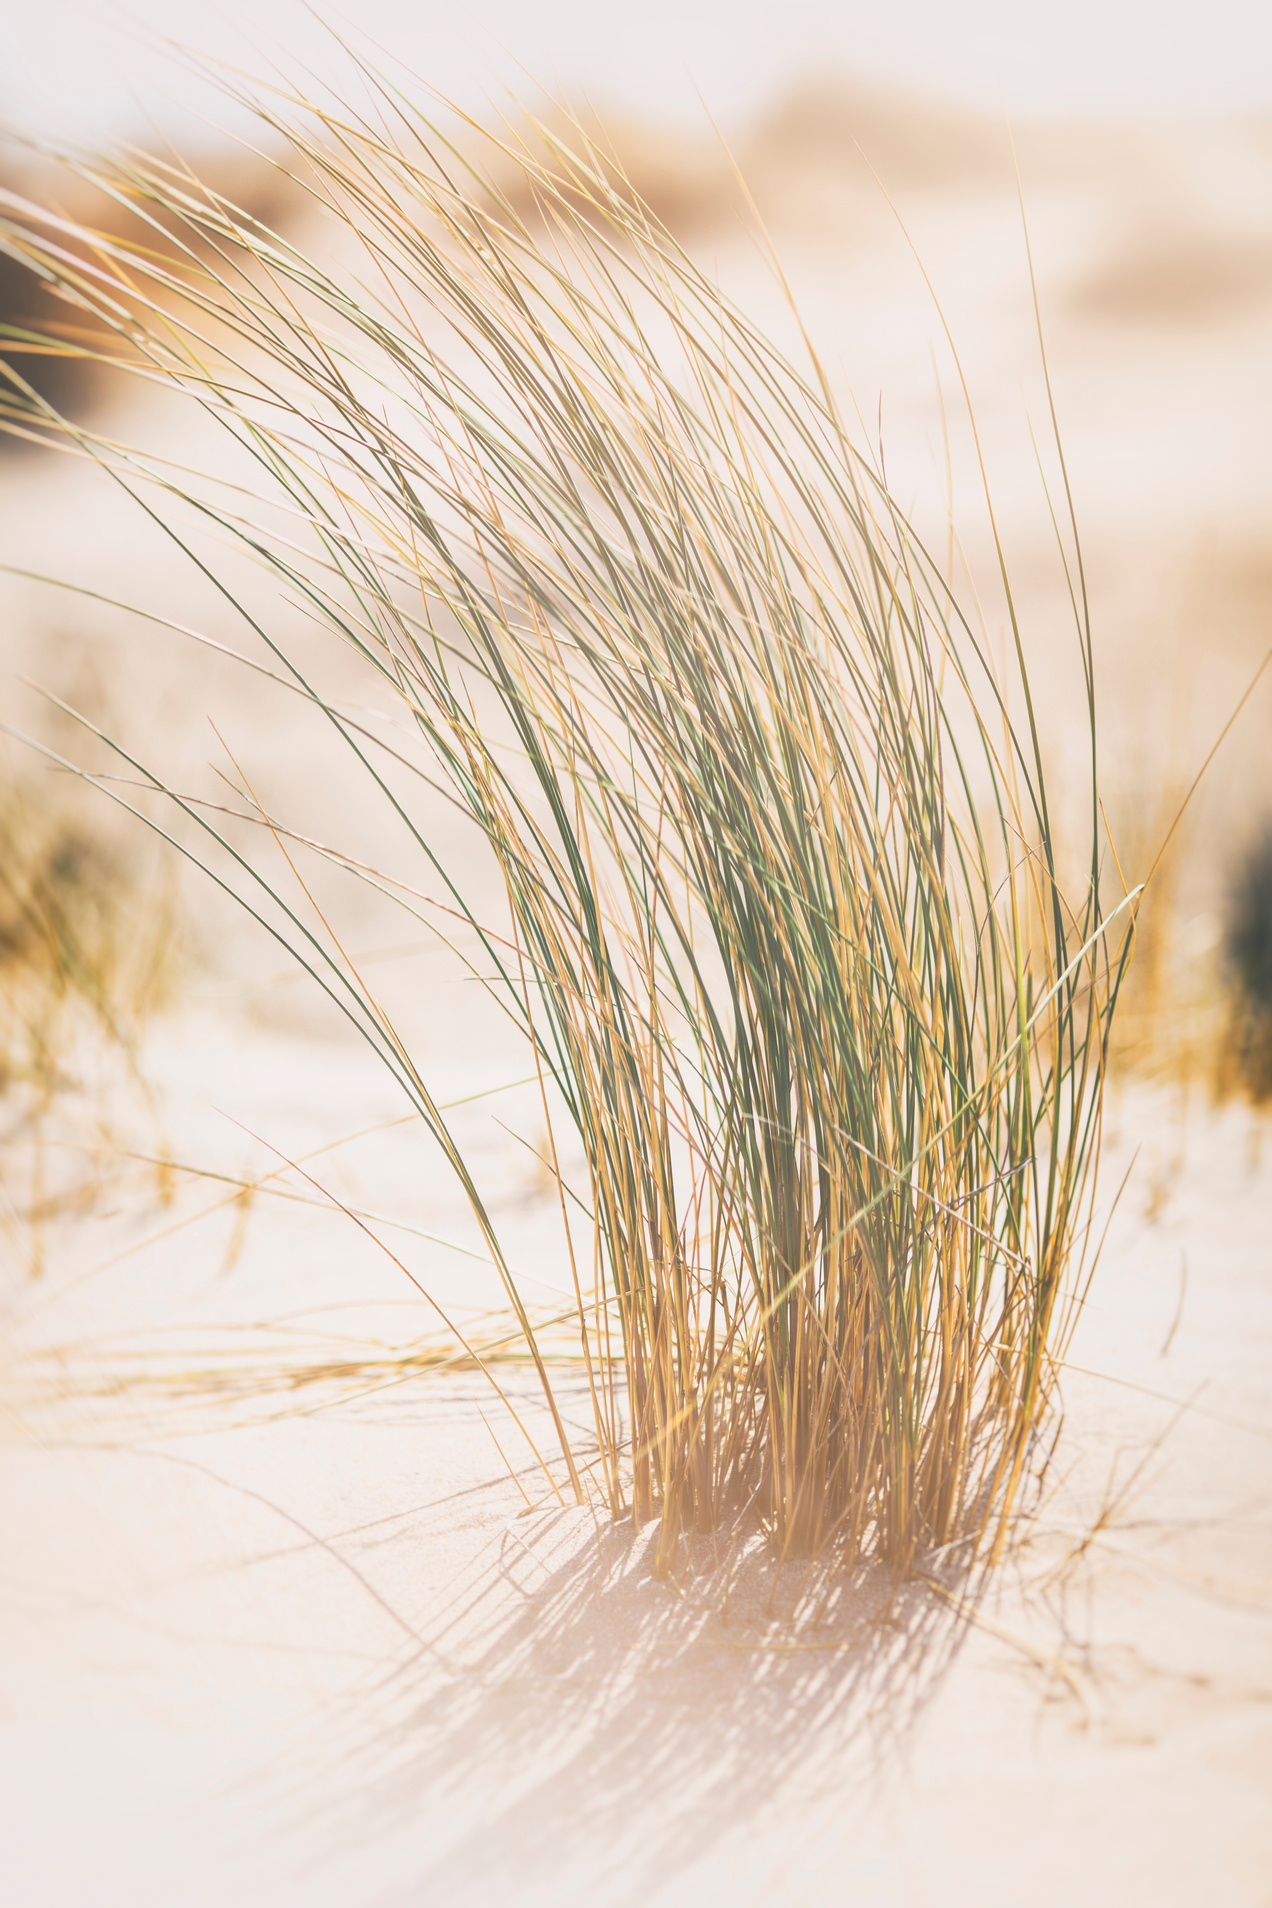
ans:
(1183, 276)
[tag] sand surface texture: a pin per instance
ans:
(274, 1635)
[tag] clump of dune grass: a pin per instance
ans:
(84, 944)
(784, 926)
(86, 955)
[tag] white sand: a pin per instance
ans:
(314, 1648)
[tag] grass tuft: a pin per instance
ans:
(781, 916)
(73, 952)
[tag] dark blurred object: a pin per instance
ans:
(45, 343)
(49, 360)
(1248, 946)
(25, 306)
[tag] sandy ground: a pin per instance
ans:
(270, 1643)
(313, 1645)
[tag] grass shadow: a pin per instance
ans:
(572, 1720)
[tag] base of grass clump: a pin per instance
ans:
(779, 919)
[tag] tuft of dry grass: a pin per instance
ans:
(86, 955)
(783, 923)
(81, 941)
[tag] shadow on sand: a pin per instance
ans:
(574, 1722)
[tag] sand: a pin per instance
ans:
(313, 1646)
